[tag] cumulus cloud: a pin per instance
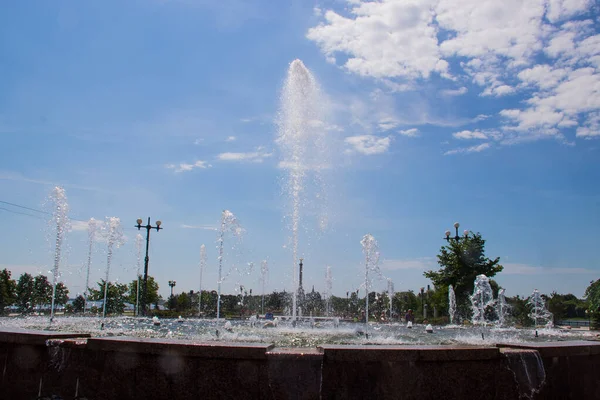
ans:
(546, 51)
(454, 92)
(185, 167)
(256, 156)
(471, 149)
(230, 139)
(368, 144)
(413, 132)
(469, 135)
(203, 227)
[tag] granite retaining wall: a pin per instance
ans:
(42, 364)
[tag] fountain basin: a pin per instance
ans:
(129, 367)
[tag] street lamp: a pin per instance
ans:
(456, 237)
(172, 285)
(148, 227)
(587, 314)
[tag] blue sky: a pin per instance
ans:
(436, 112)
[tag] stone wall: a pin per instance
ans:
(67, 364)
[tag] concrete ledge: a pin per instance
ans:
(184, 348)
(30, 337)
(558, 349)
(408, 353)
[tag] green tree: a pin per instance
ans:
(62, 294)
(152, 296)
(183, 302)
(24, 295)
(42, 291)
(115, 297)
(78, 304)
(592, 295)
(8, 290)
(461, 261)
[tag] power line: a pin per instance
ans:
(21, 213)
(30, 209)
(26, 208)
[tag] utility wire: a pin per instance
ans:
(22, 213)
(26, 208)
(30, 209)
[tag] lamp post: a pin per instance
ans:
(172, 285)
(587, 314)
(456, 237)
(148, 227)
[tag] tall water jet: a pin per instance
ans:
(114, 239)
(264, 270)
(451, 304)
(390, 290)
(202, 266)
(370, 249)
(229, 223)
(301, 140)
(481, 299)
(92, 227)
(328, 289)
(502, 307)
(139, 243)
(538, 312)
(59, 224)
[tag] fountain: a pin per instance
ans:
(390, 290)
(538, 310)
(451, 304)
(229, 223)
(259, 361)
(328, 290)
(371, 251)
(502, 308)
(139, 242)
(202, 265)
(59, 223)
(481, 299)
(301, 140)
(264, 270)
(114, 239)
(92, 227)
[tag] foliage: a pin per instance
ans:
(592, 294)
(24, 293)
(78, 304)
(115, 297)
(461, 261)
(62, 294)
(42, 291)
(8, 288)
(152, 296)
(566, 306)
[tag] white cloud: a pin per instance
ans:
(386, 39)
(413, 132)
(78, 226)
(469, 135)
(230, 139)
(472, 149)
(257, 156)
(184, 167)
(368, 144)
(500, 46)
(526, 269)
(198, 141)
(205, 227)
(454, 92)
